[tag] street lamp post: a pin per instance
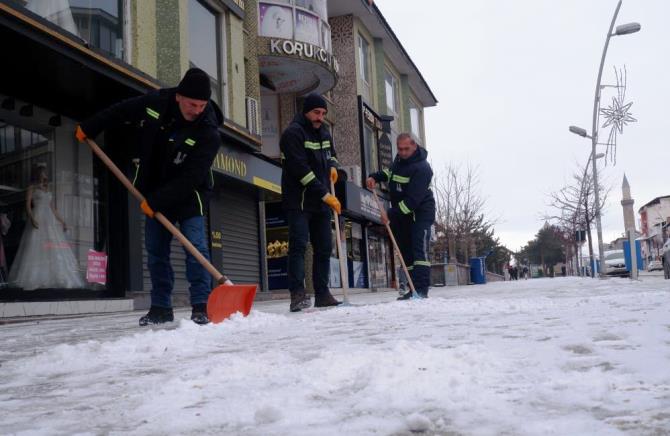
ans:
(624, 29)
(583, 193)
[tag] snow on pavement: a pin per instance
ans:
(546, 356)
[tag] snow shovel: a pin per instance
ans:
(340, 255)
(224, 300)
(395, 244)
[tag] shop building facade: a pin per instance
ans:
(380, 93)
(654, 225)
(73, 58)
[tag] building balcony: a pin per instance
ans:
(295, 52)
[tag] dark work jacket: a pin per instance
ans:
(307, 156)
(175, 156)
(409, 186)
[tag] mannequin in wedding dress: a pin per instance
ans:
(44, 258)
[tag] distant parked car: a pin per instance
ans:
(655, 265)
(615, 263)
(666, 259)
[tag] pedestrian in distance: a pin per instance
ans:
(309, 165)
(178, 140)
(412, 211)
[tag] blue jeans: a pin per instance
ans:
(303, 227)
(157, 241)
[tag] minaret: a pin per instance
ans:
(627, 203)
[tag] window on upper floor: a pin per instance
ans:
(301, 20)
(364, 70)
(392, 93)
(204, 44)
(415, 118)
(98, 22)
(364, 59)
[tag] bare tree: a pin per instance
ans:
(574, 207)
(461, 223)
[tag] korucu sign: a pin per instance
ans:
(303, 50)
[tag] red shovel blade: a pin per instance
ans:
(226, 300)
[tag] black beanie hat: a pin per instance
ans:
(195, 84)
(313, 101)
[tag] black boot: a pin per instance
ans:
(199, 314)
(325, 300)
(299, 301)
(157, 315)
(407, 296)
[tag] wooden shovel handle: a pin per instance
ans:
(220, 278)
(393, 241)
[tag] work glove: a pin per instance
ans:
(148, 211)
(333, 174)
(79, 133)
(333, 202)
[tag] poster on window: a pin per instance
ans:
(317, 7)
(307, 28)
(276, 21)
(96, 268)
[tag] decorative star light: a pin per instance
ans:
(618, 114)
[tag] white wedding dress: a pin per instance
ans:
(44, 258)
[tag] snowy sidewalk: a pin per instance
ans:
(562, 356)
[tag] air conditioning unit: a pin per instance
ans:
(353, 173)
(253, 118)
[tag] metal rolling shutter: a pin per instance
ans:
(240, 234)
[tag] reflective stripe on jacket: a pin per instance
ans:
(307, 155)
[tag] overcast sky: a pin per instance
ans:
(512, 75)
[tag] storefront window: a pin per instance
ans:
(98, 22)
(302, 20)
(355, 256)
(277, 245)
(203, 44)
(379, 259)
(53, 232)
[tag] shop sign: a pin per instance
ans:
(371, 118)
(248, 168)
(361, 202)
(369, 206)
(382, 139)
(96, 267)
(303, 50)
(230, 164)
(385, 150)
